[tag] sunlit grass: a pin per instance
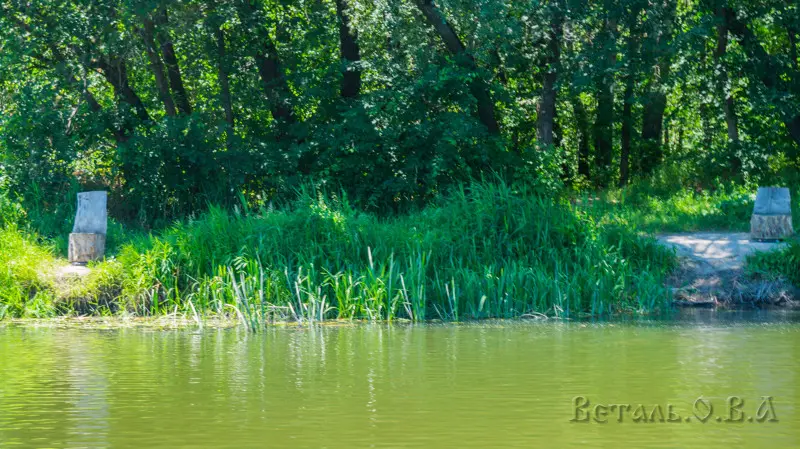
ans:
(26, 286)
(784, 262)
(482, 251)
(682, 211)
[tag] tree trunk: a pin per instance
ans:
(268, 63)
(497, 61)
(116, 73)
(793, 47)
(583, 137)
(224, 82)
(477, 87)
(626, 133)
(728, 103)
(173, 70)
(703, 91)
(546, 108)
(157, 66)
(766, 68)
(88, 96)
(655, 101)
(604, 120)
(350, 52)
(627, 130)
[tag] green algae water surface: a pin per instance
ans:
(700, 382)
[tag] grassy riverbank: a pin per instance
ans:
(782, 263)
(662, 204)
(658, 205)
(481, 251)
(26, 288)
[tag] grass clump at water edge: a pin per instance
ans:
(26, 286)
(784, 262)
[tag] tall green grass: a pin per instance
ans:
(26, 289)
(784, 262)
(481, 251)
(669, 201)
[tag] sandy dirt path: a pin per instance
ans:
(718, 251)
(712, 269)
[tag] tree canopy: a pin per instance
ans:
(172, 105)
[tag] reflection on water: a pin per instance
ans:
(478, 385)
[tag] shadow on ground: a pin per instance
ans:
(712, 271)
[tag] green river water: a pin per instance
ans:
(493, 384)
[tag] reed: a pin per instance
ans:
(26, 289)
(481, 251)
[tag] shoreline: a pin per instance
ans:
(677, 314)
(713, 272)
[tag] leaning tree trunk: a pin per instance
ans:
(171, 60)
(477, 87)
(116, 73)
(157, 66)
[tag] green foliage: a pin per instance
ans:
(172, 106)
(783, 262)
(482, 251)
(25, 289)
(11, 212)
(177, 172)
(541, 170)
(662, 204)
(247, 103)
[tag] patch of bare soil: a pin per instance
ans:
(712, 274)
(69, 278)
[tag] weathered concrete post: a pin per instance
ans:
(88, 239)
(772, 214)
